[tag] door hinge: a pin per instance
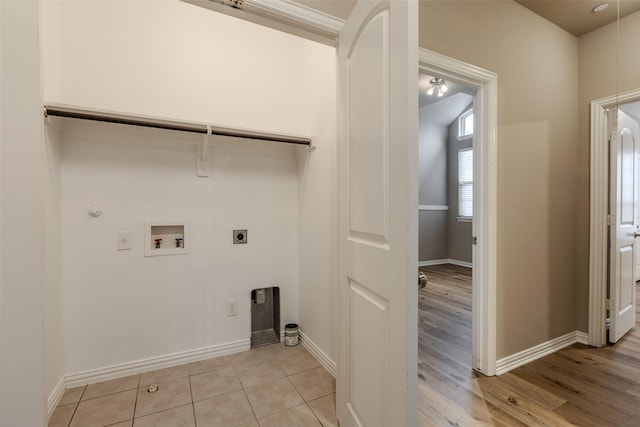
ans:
(474, 240)
(611, 220)
(612, 135)
(610, 305)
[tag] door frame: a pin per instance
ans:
(485, 160)
(599, 213)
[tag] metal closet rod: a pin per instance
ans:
(125, 119)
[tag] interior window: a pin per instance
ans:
(465, 124)
(465, 183)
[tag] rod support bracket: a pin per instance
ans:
(202, 157)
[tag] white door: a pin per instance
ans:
(637, 277)
(623, 247)
(378, 248)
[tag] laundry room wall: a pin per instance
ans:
(176, 60)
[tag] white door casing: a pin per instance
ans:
(637, 277)
(485, 151)
(623, 193)
(378, 205)
(599, 212)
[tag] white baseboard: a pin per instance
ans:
(175, 359)
(432, 262)
(322, 357)
(508, 363)
(460, 263)
(445, 261)
(152, 363)
(55, 396)
(583, 338)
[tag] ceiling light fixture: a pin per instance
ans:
(600, 7)
(437, 85)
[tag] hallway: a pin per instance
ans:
(578, 385)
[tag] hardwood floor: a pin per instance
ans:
(578, 385)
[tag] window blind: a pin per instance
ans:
(465, 182)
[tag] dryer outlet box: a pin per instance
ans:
(239, 237)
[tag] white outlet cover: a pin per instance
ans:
(124, 240)
(232, 308)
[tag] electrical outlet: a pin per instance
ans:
(232, 308)
(124, 240)
(239, 237)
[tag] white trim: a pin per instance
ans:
(445, 261)
(432, 262)
(484, 195)
(152, 363)
(124, 369)
(536, 352)
(54, 397)
(320, 355)
(460, 263)
(599, 200)
(282, 15)
(582, 337)
(433, 208)
(299, 14)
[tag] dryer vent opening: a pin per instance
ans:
(265, 316)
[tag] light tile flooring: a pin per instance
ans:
(267, 386)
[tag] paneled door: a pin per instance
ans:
(378, 233)
(623, 230)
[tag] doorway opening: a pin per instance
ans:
(445, 183)
(483, 84)
(614, 212)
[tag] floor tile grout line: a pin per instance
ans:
(255, 416)
(159, 411)
(109, 394)
(193, 404)
(77, 405)
(135, 402)
(244, 390)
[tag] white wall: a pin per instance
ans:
(121, 306)
(52, 279)
(317, 234)
(172, 59)
(21, 219)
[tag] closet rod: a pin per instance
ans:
(108, 117)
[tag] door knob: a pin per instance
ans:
(422, 280)
(636, 234)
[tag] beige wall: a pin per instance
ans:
(537, 67)
(598, 79)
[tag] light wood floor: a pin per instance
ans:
(579, 385)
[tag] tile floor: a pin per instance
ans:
(267, 386)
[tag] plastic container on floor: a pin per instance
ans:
(291, 334)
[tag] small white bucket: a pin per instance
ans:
(291, 334)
